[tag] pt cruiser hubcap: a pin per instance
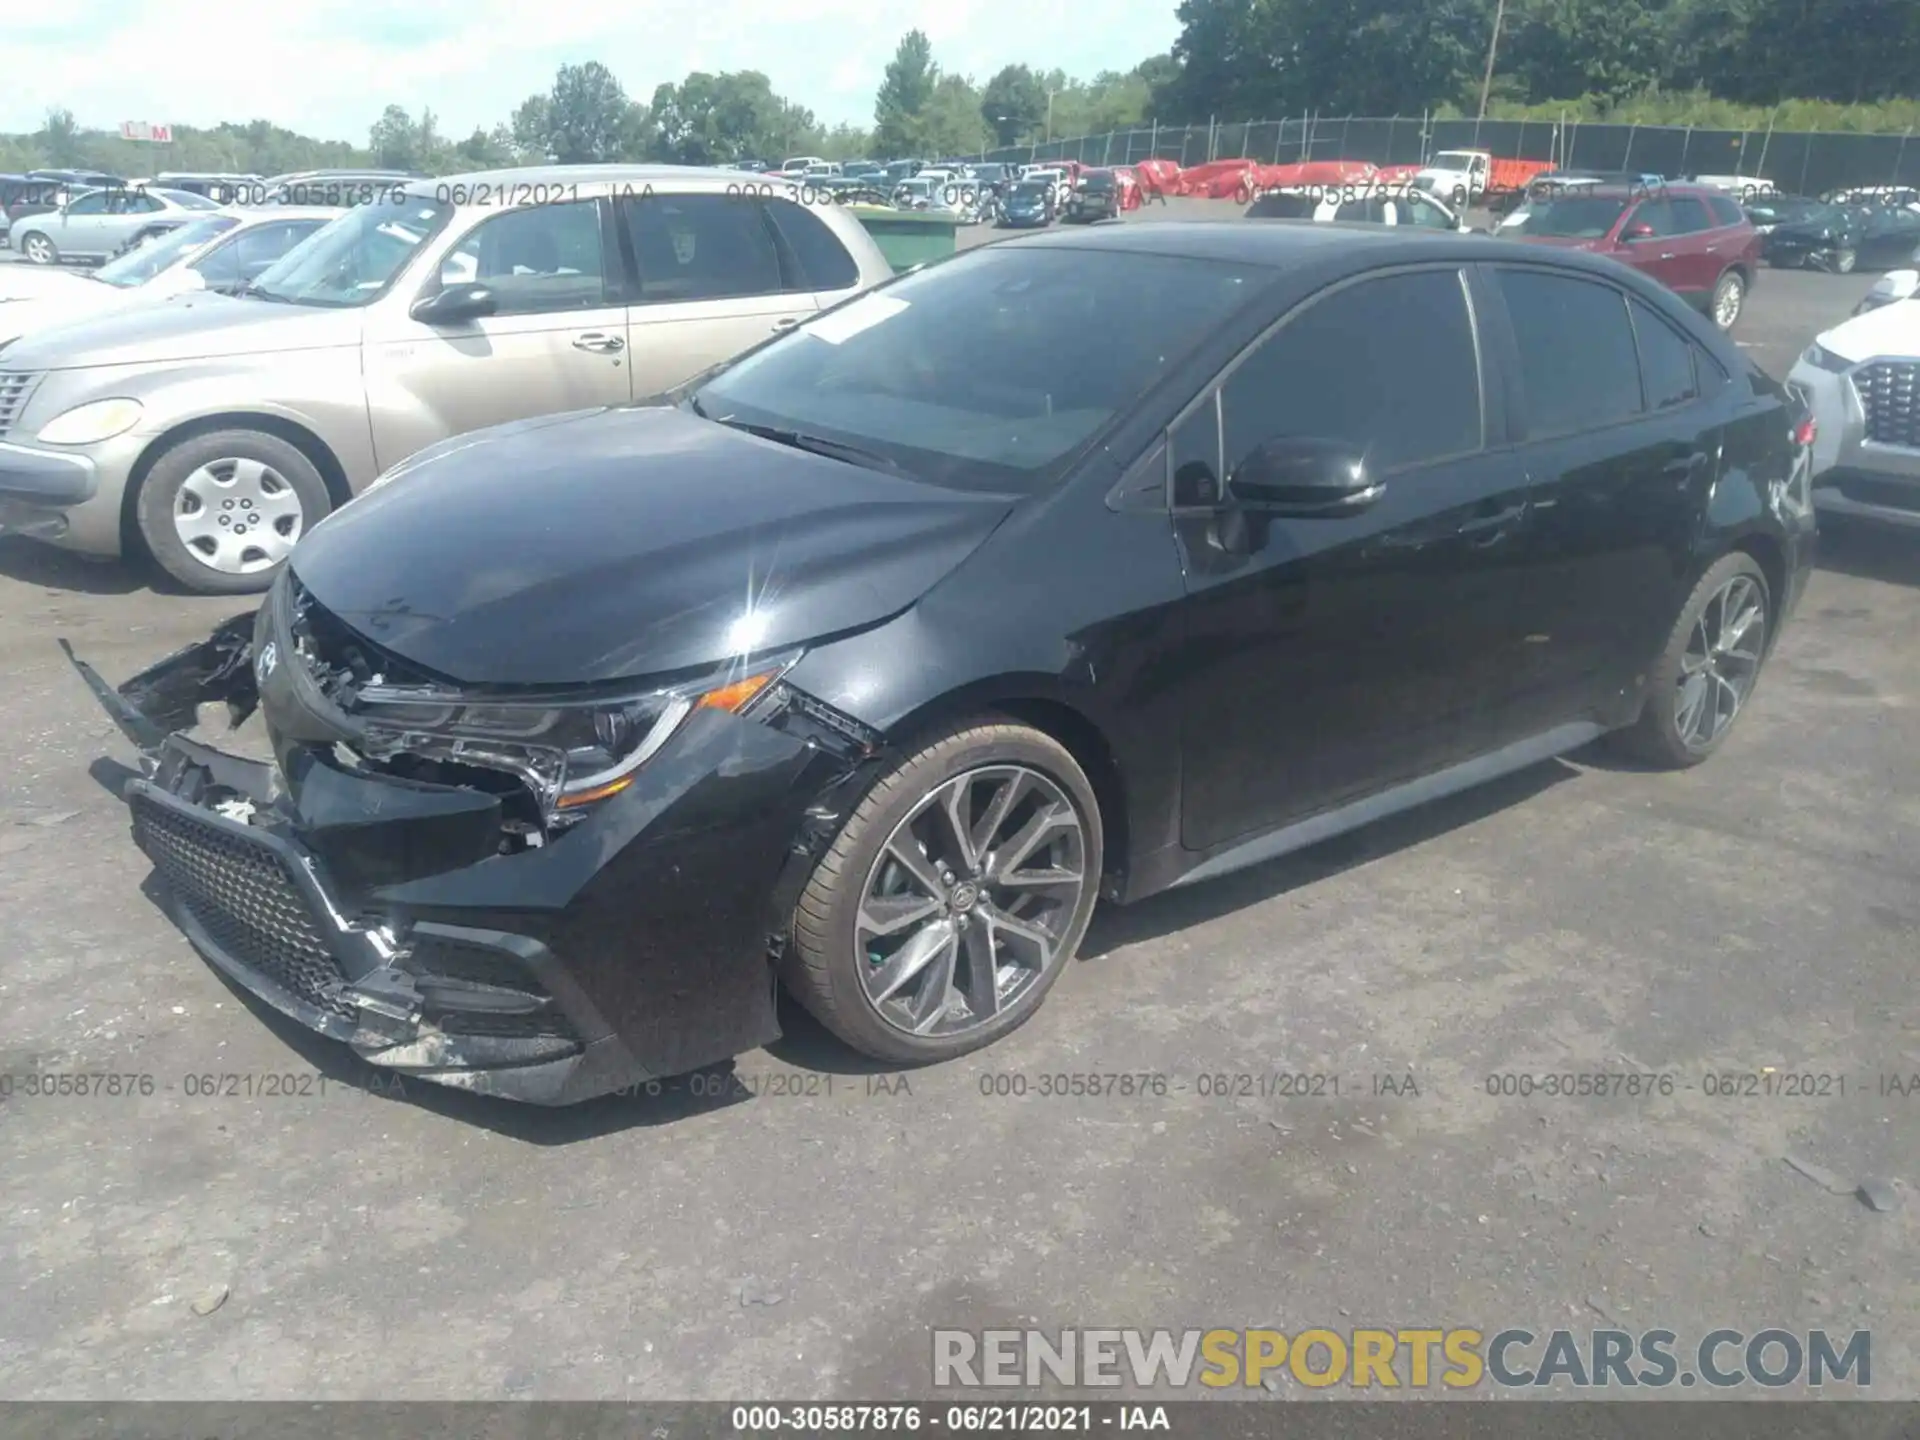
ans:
(237, 516)
(968, 902)
(1721, 661)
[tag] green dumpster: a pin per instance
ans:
(907, 237)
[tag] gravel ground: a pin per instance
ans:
(351, 1244)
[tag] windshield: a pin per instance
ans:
(187, 200)
(1454, 160)
(988, 370)
(137, 267)
(1579, 217)
(1030, 190)
(1097, 180)
(352, 260)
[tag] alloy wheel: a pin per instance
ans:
(237, 516)
(966, 906)
(1726, 303)
(39, 249)
(1721, 662)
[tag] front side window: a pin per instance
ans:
(701, 247)
(1725, 212)
(1571, 387)
(1690, 216)
(94, 202)
(355, 258)
(986, 369)
(137, 267)
(536, 260)
(1387, 366)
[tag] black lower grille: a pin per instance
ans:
(1890, 395)
(239, 891)
(457, 959)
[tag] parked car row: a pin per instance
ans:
(872, 659)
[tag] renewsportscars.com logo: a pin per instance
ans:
(1455, 1358)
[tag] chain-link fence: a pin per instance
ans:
(1806, 162)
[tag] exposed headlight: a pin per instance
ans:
(571, 753)
(1821, 358)
(91, 423)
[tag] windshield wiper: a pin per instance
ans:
(819, 445)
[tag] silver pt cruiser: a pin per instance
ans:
(211, 431)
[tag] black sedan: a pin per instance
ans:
(1841, 238)
(1029, 204)
(1072, 568)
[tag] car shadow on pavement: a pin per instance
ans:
(1115, 926)
(32, 563)
(1869, 552)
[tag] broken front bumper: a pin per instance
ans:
(384, 913)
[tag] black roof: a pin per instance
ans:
(1311, 254)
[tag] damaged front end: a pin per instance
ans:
(540, 895)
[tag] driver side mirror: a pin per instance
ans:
(1642, 231)
(1303, 478)
(468, 301)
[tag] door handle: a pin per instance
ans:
(1668, 255)
(786, 324)
(599, 342)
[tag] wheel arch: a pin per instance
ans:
(1770, 555)
(295, 434)
(1034, 704)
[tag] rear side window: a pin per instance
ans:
(1666, 360)
(1386, 365)
(701, 247)
(1578, 366)
(1725, 212)
(824, 262)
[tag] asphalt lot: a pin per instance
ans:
(355, 1243)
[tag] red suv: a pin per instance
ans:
(1698, 242)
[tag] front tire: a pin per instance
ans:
(39, 249)
(1844, 261)
(1728, 298)
(953, 897)
(221, 512)
(1708, 669)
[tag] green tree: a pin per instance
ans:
(951, 123)
(718, 119)
(59, 139)
(395, 140)
(1584, 47)
(1013, 104)
(905, 92)
(586, 114)
(531, 132)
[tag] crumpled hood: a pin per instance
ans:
(194, 326)
(617, 543)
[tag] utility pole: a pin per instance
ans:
(1493, 49)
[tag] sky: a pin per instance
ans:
(327, 68)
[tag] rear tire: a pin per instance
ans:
(959, 911)
(1668, 734)
(1728, 298)
(286, 497)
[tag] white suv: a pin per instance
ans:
(1861, 379)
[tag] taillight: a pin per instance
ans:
(1804, 432)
